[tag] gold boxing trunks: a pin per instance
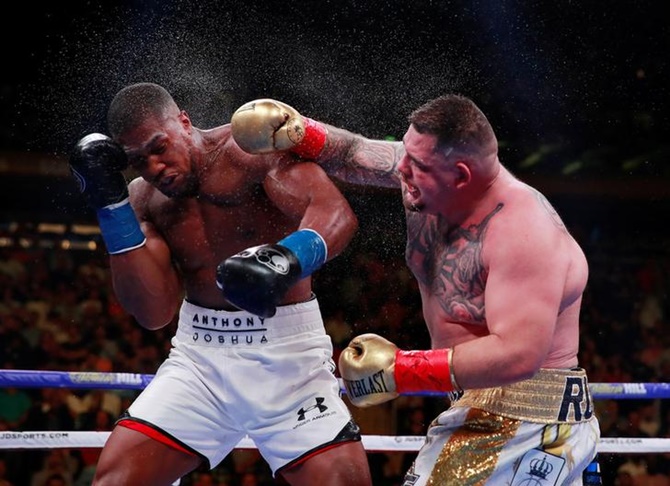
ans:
(540, 431)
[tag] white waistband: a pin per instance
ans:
(223, 328)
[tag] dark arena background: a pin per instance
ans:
(577, 91)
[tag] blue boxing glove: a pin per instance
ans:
(97, 163)
(257, 279)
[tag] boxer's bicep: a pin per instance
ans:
(304, 192)
(523, 291)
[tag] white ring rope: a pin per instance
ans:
(50, 439)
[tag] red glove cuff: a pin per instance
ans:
(314, 140)
(417, 371)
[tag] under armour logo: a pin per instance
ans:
(319, 405)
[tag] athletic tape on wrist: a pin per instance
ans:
(309, 248)
(119, 228)
(314, 140)
(417, 371)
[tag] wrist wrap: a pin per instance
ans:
(309, 248)
(119, 228)
(417, 371)
(314, 140)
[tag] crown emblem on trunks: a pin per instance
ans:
(540, 468)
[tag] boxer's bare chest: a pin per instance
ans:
(447, 262)
(204, 230)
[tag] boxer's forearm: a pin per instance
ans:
(266, 126)
(359, 160)
(146, 288)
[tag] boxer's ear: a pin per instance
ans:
(185, 120)
(463, 174)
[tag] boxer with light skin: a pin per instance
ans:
(228, 242)
(501, 281)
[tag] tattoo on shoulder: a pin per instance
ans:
(553, 214)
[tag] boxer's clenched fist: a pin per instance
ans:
(267, 125)
(258, 278)
(367, 367)
(97, 162)
(375, 371)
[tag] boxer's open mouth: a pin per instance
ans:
(167, 181)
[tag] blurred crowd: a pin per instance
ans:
(58, 312)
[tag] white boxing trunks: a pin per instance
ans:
(540, 431)
(232, 374)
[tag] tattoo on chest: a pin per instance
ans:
(448, 262)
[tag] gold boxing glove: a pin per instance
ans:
(375, 371)
(267, 125)
(367, 369)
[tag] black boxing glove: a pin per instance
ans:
(96, 163)
(257, 279)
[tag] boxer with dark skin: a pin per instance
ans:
(209, 227)
(501, 280)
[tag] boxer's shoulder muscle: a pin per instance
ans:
(140, 193)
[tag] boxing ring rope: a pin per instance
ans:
(51, 439)
(372, 443)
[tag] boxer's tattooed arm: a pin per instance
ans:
(358, 160)
(448, 262)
